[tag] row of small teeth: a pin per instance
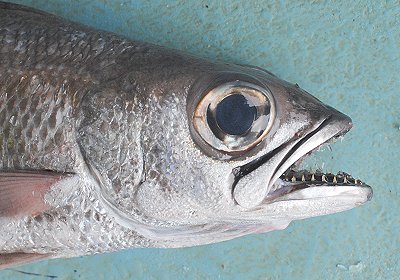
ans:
(340, 178)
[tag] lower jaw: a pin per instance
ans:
(292, 180)
(318, 177)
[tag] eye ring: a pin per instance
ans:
(252, 107)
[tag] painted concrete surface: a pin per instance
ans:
(347, 53)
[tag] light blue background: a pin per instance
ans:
(347, 53)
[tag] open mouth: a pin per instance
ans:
(288, 183)
(293, 180)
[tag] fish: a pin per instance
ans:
(108, 144)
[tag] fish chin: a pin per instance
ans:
(301, 200)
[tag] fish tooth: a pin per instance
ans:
(334, 180)
(345, 180)
(312, 178)
(324, 178)
(303, 178)
(293, 179)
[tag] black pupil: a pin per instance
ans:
(234, 115)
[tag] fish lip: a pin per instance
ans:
(333, 125)
(294, 181)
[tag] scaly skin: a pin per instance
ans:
(52, 71)
(46, 68)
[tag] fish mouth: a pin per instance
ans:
(288, 183)
(304, 184)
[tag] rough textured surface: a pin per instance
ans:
(346, 54)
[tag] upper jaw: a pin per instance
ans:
(332, 127)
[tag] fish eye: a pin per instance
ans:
(234, 116)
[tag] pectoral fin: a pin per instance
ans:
(14, 259)
(22, 192)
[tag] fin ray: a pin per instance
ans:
(8, 260)
(22, 192)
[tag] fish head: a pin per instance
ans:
(263, 127)
(209, 154)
